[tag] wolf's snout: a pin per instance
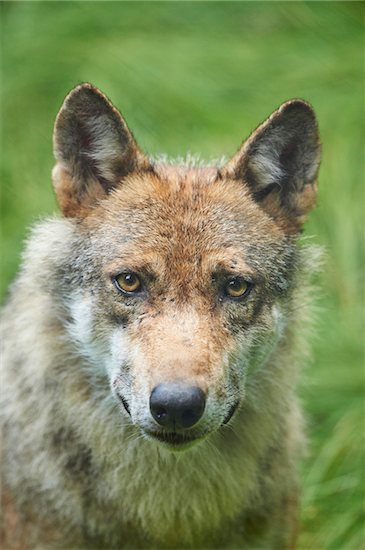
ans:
(177, 406)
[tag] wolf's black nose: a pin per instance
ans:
(177, 406)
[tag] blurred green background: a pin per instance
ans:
(198, 77)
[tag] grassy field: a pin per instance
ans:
(199, 76)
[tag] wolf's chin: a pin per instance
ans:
(173, 441)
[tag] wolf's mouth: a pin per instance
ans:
(173, 439)
(231, 412)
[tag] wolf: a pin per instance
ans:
(153, 340)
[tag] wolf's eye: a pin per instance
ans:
(128, 282)
(237, 287)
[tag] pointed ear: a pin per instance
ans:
(279, 163)
(94, 149)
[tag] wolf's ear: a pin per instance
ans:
(279, 162)
(94, 149)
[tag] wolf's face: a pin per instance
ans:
(183, 273)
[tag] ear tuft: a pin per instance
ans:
(280, 160)
(94, 148)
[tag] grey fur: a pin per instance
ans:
(81, 472)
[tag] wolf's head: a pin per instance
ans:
(181, 276)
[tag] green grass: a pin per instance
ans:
(198, 76)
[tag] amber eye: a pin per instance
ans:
(128, 282)
(237, 287)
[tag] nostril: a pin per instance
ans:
(177, 406)
(161, 413)
(158, 407)
(189, 417)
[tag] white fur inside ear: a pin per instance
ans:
(312, 169)
(105, 148)
(264, 162)
(56, 173)
(265, 168)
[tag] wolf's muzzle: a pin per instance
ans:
(177, 406)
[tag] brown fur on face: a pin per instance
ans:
(184, 232)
